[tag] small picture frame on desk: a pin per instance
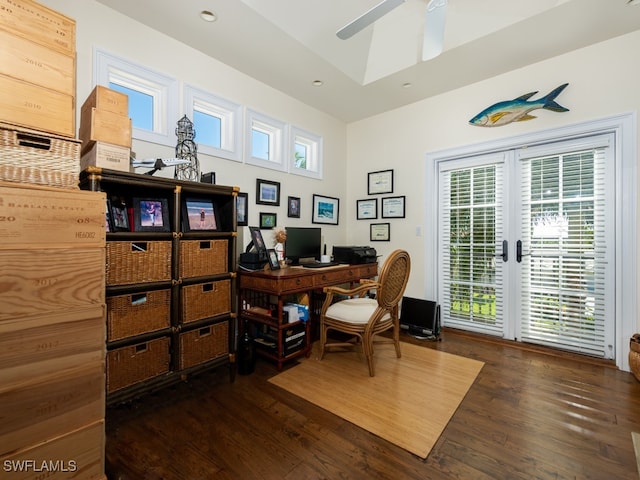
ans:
(272, 255)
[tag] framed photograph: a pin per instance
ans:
(367, 209)
(267, 192)
(393, 207)
(119, 216)
(380, 182)
(209, 177)
(272, 255)
(257, 240)
(242, 209)
(379, 232)
(198, 214)
(268, 220)
(325, 209)
(108, 223)
(293, 207)
(151, 215)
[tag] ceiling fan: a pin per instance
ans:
(435, 16)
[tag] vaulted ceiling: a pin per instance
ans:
(289, 44)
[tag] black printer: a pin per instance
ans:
(354, 255)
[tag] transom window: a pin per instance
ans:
(306, 153)
(264, 136)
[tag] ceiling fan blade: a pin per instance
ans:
(434, 29)
(368, 18)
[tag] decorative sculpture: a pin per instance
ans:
(187, 149)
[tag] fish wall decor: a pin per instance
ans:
(517, 110)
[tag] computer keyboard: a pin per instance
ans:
(319, 265)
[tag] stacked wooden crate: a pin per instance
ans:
(105, 130)
(52, 332)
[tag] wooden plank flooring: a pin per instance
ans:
(531, 414)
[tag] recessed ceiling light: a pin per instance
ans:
(633, 2)
(317, 83)
(208, 16)
(407, 85)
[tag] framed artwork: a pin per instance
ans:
(257, 240)
(393, 207)
(151, 215)
(268, 220)
(198, 214)
(293, 207)
(367, 209)
(109, 224)
(119, 216)
(379, 232)
(209, 177)
(272, 255)
(267, 192)
(380, 182)
(325, 209)
(242, 209)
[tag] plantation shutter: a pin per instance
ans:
(471, 225)
(567, 245)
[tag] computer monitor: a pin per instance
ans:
(303, 244)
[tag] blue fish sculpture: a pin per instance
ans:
(517, 110)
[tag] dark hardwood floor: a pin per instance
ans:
(531, 414)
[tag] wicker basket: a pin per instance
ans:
(134, 314)
(138, 262)
(204, 344)
(205, 300)
(203, 257)
(136, 363)
(32, 156)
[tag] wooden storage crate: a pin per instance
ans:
(204, 300)
(104, 98)
(136, 363)
(104, 126)
(32, 106)
(50, 405)
(46, 217)
(34, 63)
(137, 313)
(138, 262)
(80, 451)
(35, 157)
(203, 344)
(105, 155)
(41, 281)
(48, 343)
(40, 24)
(203, 257)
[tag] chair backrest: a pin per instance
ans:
(393, 279)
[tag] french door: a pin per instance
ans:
(527, 243)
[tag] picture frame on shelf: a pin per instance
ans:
(325, 210)
(268, 220)
(267, 192)
(242, 209)
(293, 207)
(199, 215)
(272, 255)
(393, 207)
(108, 223)
(380, 232)
(367, 209)
(119, 214)
(151, 214)
(380, 182)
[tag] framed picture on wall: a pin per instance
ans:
(367, 209)
(380, 182)
(293, 207)
(268, 220)
(393, 207)
(380, 232)
(267, 192)
(242, 209)
(325, 210)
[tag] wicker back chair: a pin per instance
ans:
(361, 317)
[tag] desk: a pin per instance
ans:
(263, 294)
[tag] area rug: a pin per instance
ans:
(409, 401)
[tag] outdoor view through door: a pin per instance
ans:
(527, 243)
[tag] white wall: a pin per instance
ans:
(603, 81)
(99, 26)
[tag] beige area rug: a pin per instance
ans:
(409, 402)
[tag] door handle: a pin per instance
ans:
(505, 251)
(519, 253)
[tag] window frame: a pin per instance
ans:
(110, 68)
(276, 129)
(313, 143)
(230, 115)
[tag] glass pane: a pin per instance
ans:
(208, 128)
(260, 144)
(300, 151)
(140, 106)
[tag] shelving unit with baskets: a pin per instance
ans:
(170, 279)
